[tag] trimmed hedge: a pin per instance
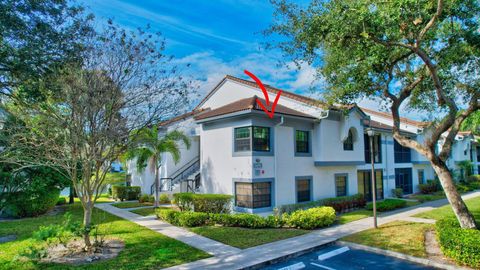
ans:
(303, 219)
(126, 193)
(312, 218)
(473, 178)
(462, 245)
(27, 204)
(340, 204)
(397, 192)
(387, 205)
(206, 203)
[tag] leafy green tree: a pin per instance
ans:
(149, 146)
(472, 123)
(35, 38)
(413, 54)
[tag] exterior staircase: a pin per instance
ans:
(185, 179)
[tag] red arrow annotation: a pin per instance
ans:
(265, 94)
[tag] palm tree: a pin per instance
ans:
(148, 147)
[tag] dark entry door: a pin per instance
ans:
(403, 179)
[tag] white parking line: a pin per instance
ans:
(296, 266)
(333, 253)
(322, 266)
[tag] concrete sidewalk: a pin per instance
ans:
(272, 251)
(208, 245)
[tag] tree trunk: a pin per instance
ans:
(87, 223)
(458, 205)
(157, 185)
(71, 196)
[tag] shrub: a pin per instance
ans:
(387, 205)
(462, 245)
(163, 198)
(473, 178)
(430, 187)
(340, 204)
(27, 204)
(125, 193)
(397, 192)
(144, 198)
(207, 203)
(192, 219)
(312, 218)
(61, 201)
(168, 215)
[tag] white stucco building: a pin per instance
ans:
(307, 151)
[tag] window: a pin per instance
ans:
(421, 177)
(303, 190)
(348, 143)
(403, 179)
(253, 195)
(302, 141)
(243, 139)
(401, 153)
(364, 180)
(341, 185)
(261, 139)
(377, 148)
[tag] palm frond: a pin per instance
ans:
(171, 146)
(178, 136)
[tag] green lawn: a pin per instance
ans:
(144, 211)
(131, 204)
(353, 216)
(144, 249)
(244, 237)
(446, 211)
(428, 197)
(400, 236)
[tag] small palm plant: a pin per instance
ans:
(148, 147)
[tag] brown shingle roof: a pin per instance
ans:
(249, 104)
(403, 120)
(378, 125)
(179, 117)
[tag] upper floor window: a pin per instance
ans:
(348, 143)
(401, 153)
(302, 141)
(252, 139)
(377, 149)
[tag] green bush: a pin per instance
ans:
(61, 201)
(27, 204)
(143, 198)
(312, 218)
(430, 187)
(397, 192)
(192, 219)
(168, 215)
(126, 193)
(164, 198)
(474, 178)
(340, 204)
(207, 203)
(462, 245)
(387, 205)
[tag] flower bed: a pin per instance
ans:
(340, 204)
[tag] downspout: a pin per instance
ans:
(282, 121)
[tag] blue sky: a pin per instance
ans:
(216, 38)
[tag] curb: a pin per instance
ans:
(402, 256)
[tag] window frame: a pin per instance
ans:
(309, 178)
(252, 151)
(308, 153)
(346, 183)
(423, 176)
(252, 202)
(400, 152)
(367, 148)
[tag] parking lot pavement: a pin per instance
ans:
(338, 257)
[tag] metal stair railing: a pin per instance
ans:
(167, 184)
